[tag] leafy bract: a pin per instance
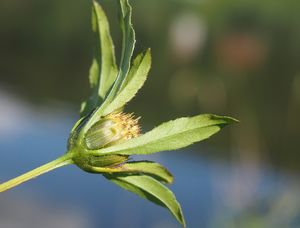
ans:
(171, 135)
(103, 71)
(132, 83)
(128, 42)
(152, 169)
(108, 62)
(150, 189)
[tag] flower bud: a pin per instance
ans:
(112, 129)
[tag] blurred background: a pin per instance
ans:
(236, 58)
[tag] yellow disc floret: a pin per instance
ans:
(112, 129)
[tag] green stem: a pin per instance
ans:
(59, 162)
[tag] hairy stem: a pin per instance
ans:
(59, 162)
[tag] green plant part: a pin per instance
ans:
(104, 137)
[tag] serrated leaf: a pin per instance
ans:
(128, 42)
(132, 83)
(103, 71)
(152, 190)
(153, 169)
(171, 135)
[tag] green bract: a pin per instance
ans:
(104, 137)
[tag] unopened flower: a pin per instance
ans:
(112, 129)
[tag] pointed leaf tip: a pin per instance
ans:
(152, 190)
(227, 120)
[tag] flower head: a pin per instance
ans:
(112, 129)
